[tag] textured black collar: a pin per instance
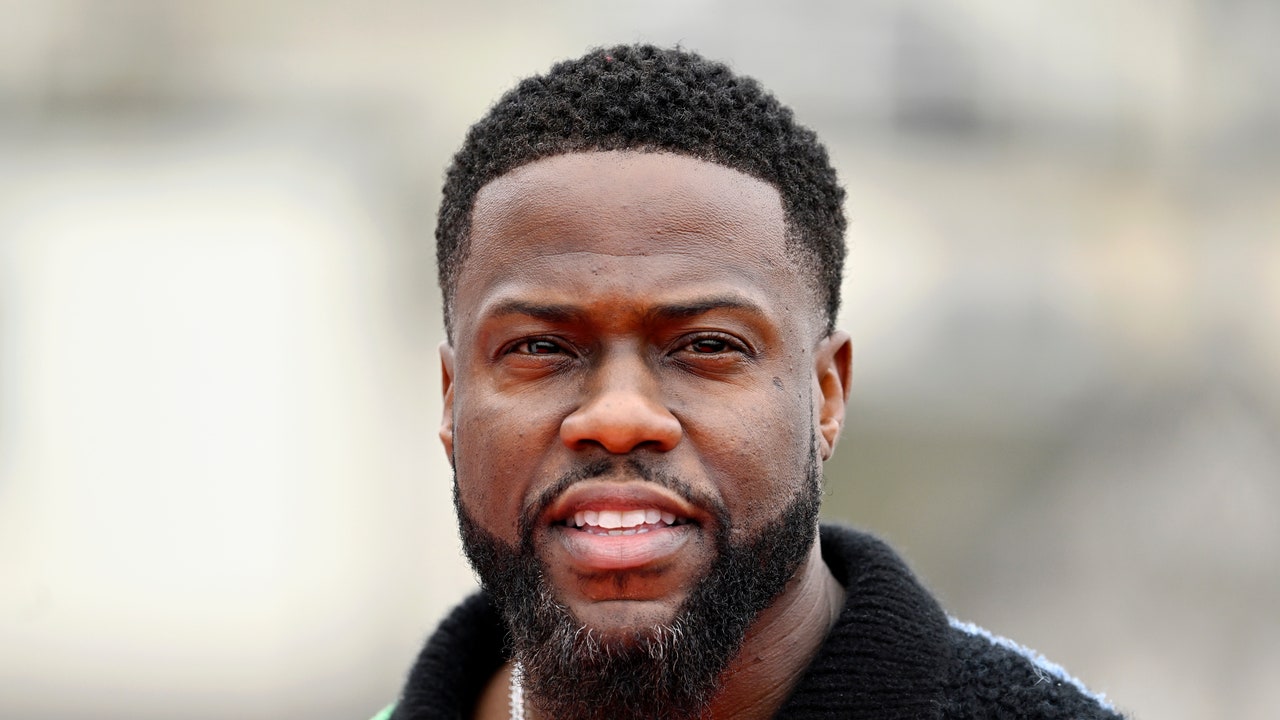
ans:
(885, 658)
(887, 655)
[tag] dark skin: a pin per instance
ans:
(641, 305)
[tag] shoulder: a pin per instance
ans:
(994, 677)
(895, 647)
(458, 660)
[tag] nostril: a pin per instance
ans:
(621, 423)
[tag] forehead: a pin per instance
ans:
(672, 187)
(646, 221)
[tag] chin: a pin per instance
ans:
(623, 623)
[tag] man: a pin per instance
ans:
(640, 255)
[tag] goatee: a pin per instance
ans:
(669, 671)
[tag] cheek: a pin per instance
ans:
(499, 444)
(757, 452)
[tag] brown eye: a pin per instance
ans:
(539, 347)
(708, 346)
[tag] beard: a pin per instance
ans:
(669, 670)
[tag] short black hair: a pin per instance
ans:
(641, 97)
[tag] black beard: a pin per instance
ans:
(664, 671)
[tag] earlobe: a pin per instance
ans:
(832, 362)
(446, 377)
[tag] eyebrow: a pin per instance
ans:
(681, 311)
(563, 313)
(542, 311)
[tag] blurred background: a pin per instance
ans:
(221, 492)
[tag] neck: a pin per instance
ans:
(780, 644)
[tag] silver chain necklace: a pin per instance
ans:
(517, 691)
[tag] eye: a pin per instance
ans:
(537, 355)
(537, 346)
(708, 346)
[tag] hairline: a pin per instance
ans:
(794, 248)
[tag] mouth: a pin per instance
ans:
(615, 526)
(622, 523)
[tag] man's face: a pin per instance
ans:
(635, 380)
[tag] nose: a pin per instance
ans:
(622, 411)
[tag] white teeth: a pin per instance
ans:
(622, 522)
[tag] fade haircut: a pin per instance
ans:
(640, 97)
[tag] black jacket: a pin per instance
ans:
(893, 654)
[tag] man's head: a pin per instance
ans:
(648, 98)
(641, 378)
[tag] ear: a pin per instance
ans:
(446, 378)
(832, 361)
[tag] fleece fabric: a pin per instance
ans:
(892, 655)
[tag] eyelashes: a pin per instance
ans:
(705, 343)
(701, 351)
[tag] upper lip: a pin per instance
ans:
(620, 495)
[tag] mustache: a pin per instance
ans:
(626, 469)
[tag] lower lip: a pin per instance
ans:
(623, 552)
